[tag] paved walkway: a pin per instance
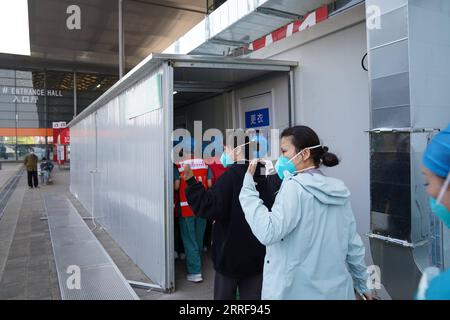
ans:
(27, 268)
(7, 171)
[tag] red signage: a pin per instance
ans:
(311, 19)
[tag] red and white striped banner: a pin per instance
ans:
(311, 19)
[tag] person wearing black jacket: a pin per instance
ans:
(237, 255)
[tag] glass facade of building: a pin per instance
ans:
(31, 100)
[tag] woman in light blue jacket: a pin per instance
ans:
(312, 248)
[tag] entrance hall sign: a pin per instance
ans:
(28, 95)
(31, 92)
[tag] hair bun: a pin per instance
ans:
(329, 159)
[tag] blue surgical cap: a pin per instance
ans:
(437, 156)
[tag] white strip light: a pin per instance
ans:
(14, 27)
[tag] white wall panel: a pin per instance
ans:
(83, 160)
(129, 186)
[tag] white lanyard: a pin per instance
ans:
(299, 171)
(306, 169)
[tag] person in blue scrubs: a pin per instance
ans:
(312, 248)
(436, 167)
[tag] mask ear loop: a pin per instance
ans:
(306, 169)
(242, 145)
(310, 148)
(290, 160)
(444, 189)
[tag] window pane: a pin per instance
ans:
(11, 107)
(59, 97)
(6, 73)
(390, 183)
(7, 148)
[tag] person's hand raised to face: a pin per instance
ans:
(252, 167)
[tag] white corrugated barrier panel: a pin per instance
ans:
(118, 170)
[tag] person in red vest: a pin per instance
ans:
(213, 161)
(192, 228)
(217, 169)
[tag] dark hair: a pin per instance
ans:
(303, 137)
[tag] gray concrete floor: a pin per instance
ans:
(27, 268)
(7, 171)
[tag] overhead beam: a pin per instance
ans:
(181, 89)
(204, 84)
(169, 6)
(228, 42)
(121, 42)
(278, 13)
(74, 94)
(9, 61)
